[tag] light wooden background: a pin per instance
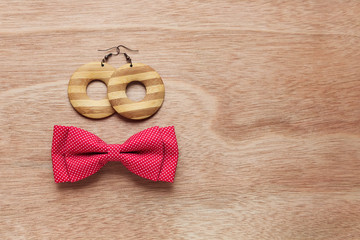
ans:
(264, 96)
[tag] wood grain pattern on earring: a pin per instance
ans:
(78, 83)
(155, 91)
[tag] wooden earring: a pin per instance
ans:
(78, 97)
(116, 81)
(137, 72)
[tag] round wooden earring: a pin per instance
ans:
(78, 97)
(155, 91)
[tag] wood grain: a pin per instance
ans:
(264, 96)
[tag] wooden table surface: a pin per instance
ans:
(264, 97)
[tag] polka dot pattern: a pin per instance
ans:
(77, 154)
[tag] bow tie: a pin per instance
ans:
(77, 154)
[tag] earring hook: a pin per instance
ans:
(132, 50)
(118, 51)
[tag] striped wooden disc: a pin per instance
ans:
(77, 90)
(155, 91)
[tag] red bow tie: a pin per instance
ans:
(77, 154)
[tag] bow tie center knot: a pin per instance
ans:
(113, 152)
